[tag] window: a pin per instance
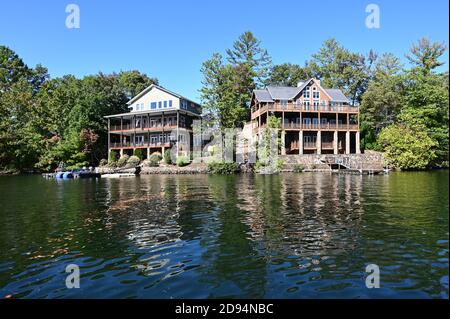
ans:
(306, 93)
(284, 103)
(159, 104)
(165, 104)
(170, 103)
(316, 105)
(316, 94)
(306, 105)
(153, 105)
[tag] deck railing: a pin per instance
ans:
(316, 126)
(139, 144)
(128, 127)
(306, 108)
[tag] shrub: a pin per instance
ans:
(182, 161)
(112, 157)
(407, 147)
(280, 164)
(123, 160)
(298, 168)
(224, 168)
(167, 157)
(154, 159)
(139, 153)
(133, 161)
(103, 162)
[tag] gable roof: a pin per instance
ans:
(149, 88)
(263, 95)
(336, 95)
(271, 93)
(282, 92)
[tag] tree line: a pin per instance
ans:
(404, 110)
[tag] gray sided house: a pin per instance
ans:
(158, 119)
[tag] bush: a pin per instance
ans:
(224, 168)
(123, 160)
(167, 157)
(112, 157)
(103, 162)
(407, 147)
(133, 161)
(139, 153)
(182, 161)
(298, 168)
(280, 164)
(154, 159)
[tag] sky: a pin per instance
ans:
(170, 39)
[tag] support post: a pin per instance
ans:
(109, 136)
(319, 142)
(283, 142)
(178, 124)
(347, 142)
(358, 150)
(300, 142)
(121, 131)
(335, 143)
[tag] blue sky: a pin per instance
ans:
(170, 39)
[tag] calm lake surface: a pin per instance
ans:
(307, 235)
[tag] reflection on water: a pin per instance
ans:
(283, 236)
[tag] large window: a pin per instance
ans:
(316, 94)
(153, 105)
(306, 93)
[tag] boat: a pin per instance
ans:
(83, 173)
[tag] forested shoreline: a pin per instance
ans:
(404, 109)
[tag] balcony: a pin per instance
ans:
(139, 145)
(305, 108)
(316, 126)
(129, 127)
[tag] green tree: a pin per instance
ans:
(287, 74)
(424, 55)
(383, 99)
(340, 68)
(133, 82)
(224, 92)
(407, 147)
(247, 51)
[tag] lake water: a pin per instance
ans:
(307, 235)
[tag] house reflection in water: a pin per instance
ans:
(233, 230)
